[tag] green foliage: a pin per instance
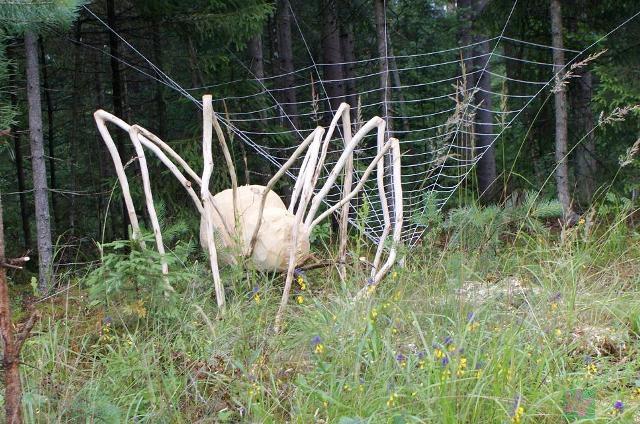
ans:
(438, 342)
(38, 15)
(131, 275)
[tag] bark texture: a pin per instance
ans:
(116, 95)
(332, 54)
(285, 61)
(41, 192)
(10, 362)
(560, 98)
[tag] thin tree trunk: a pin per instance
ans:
(254, 46)
(585, 153)
(41, 192)
(583, 118)
(22, 187)
(285, 56)
(10, 360)
(75, 112)
(347, 43)
(50, 134)
(161, 111)
(486, 166)
(116, 92)
(397, 83)
(381, 37)
(11, 341)
(383, 52)
(332, 54)
(562, 170)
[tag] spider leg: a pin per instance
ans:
(397, 225)
(100, 117)
(310, 138)
(299, 215)
(207, 199)
(385, 209)
(144, 170)
(230, 167)
(347, 198)
(346, 188)
(375, 122)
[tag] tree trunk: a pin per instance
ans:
(585, 153)
(161, 106)
(381, 37)
(465, 37)
(41, 192)
(383, 53)
(254, 46)
(75, 112)
(10, 360)
(486, 167)
(582, 91)
(347, 44)
(562, 170)
(332, 54)
(22, 187)
(50, 134)
(285, 56)
(116, 90)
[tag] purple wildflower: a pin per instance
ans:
(401, 358)
(618, 406)
(421, 354)
(445, 361)
(470, 316)
(316, 340)
(448, 340)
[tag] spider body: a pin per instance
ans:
(274, 239)
(252, 222)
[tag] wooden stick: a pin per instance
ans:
(304, 200)
(232, 171)
(346, 188)
(100, 117)
(272, 182)
(207, 135)
(356, 190)
(146, 185)
(382, 192)
(374, 122)
(398, 222)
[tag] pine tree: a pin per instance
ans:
(29, 18)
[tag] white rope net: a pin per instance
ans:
(431, 107)
(431, 110)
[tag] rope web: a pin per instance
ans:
(431, 107)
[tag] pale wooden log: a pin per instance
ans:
(397, 226)
(273, 181)
(144, 139)
(100, 117)
(230, 167)
(342, 109)
(382, 192)
(346, 199)
(346, 188)
(304, 199)
(333, 175)
(146, 185)
(207, 136)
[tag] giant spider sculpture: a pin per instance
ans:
(251, 222)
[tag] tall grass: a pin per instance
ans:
(507, 328)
